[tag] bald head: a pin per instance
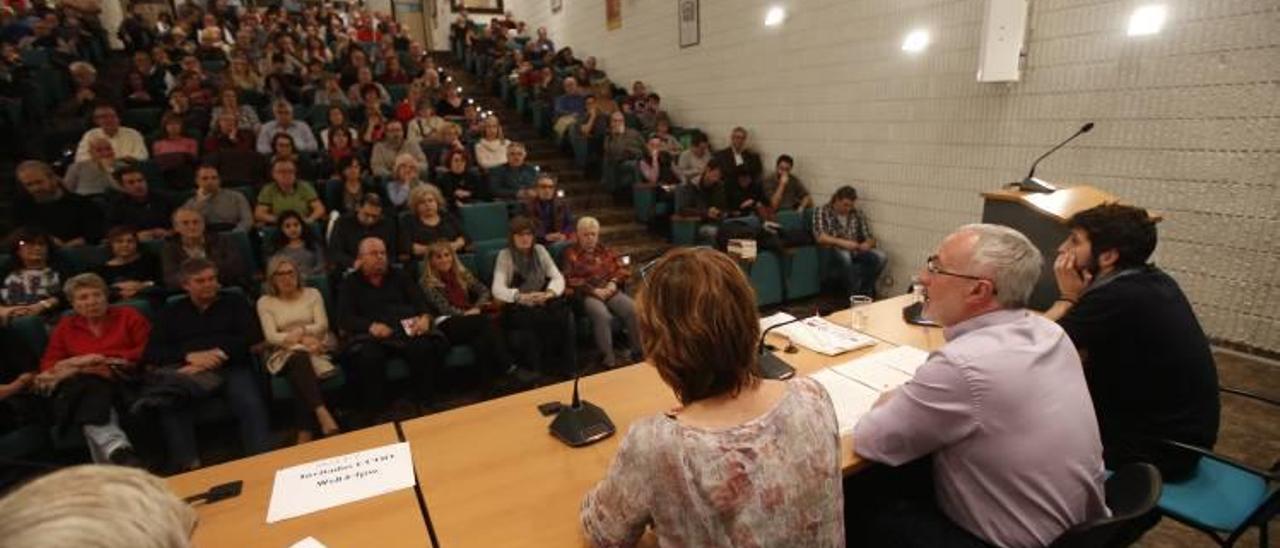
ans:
(371, 256)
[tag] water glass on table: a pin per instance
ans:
(858, 312)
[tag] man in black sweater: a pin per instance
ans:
(1146, 359)
(147, 211)
(384, 314)
(204, 342)
(366, 221)
(69, 218)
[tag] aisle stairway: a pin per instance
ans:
(618, 227)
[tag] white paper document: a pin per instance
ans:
(326, 483)
(309, 542)
(902, 358)
(817, 334)
(877, 376)
(851, 399)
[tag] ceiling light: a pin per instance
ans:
(916, 42)
(775, 16)
(1146, 20)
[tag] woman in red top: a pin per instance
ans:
(595, 276)
(88, 353)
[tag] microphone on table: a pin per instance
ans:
(771, 366)
(1031, 183)
(581, 422)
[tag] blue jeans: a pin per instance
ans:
(240, 388)
(859, 271)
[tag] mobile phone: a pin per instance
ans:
(550, 408)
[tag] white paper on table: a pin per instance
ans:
(774, 319)
(309, 542)
(820, 335)
(906, 359)
(877, 376)
(326, 483)
(851, 399)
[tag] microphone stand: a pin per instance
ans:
(1031, 183)
(581, 422)
(771, 366)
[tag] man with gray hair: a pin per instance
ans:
(303, 139)
(1002, 408)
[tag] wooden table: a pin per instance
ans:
(492, 475)
(391, 520)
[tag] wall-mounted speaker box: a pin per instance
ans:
(1004, 31)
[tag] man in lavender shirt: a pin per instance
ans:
(1002, 408)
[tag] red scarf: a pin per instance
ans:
(454, 291)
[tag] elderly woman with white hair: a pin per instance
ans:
(89, 353)
(406, 175)
(596, 276)
(93, 176)
(102, 506)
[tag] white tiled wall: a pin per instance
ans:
(1188, 121)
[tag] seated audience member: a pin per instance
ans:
(126, 142)
(451, 141)
(191, 241)
(591, 126)
(92, 177)
(569, 106)
(426, 126)
(1146, 359)
(842, 227)
(662, 130)
(384, 314)
(131, 270)
(283, 148)
(595, 277)
(427, 222)
(344, 192)
(391, 147)
(638, 100)
(296, 241)
(200, 346)
(84, 93)
(221, 209)
(656, 164)
(229, 101)
(536, 316)
(621, 144)
(455, 295)
(491, 148)
(173, 140)
(555, 223)
(88, 354)
(147, 212)
(773, 440)
(342, 146)
(364, 222)
(96, 505)
(745, 198)
(514, 179)
(1007, 384)
(330, 93)
(406, 176)
(460, 184)
(296, 328)
(649, 117)
(32, 287)
(450, 106)
(226, 135)
(693, 161)
(287, 193)
(784, 190)
(337, 124)
(738, 161)
(69, 219)
(358, 90)
(284, 123)
(705, 200)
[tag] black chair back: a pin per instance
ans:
(1132, 494)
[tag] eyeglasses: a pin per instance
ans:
(932, 266)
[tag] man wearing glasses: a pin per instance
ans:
(1002, 408)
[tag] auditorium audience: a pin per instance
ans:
(460, 184)
(595, 277)
(32, 286)
(191, 241)
(426, 127)
(90, 354)
(387, 152)
(514, 179)
(784, 190)
(299, 343)
(384, 314)
(173, 140)
(343, 193)
(226, 135)
(537, 318)
(221, 209)
(1002, 402)
(406, 176)
(365, 221)
(299, 243)
(137, 206)
(337, 117)
(743, 443)
(95, 505)
(92, 176)
(841, 227)
(554, 221)
(1146, 359)
(705, 201)
(126, 142)
(694, 160)
(621, 145)
(491, 148)
(428, 222)
(229, 101)
(287, 193)
(738, 161)
(200, 347)
(131, 270)
(303, 139)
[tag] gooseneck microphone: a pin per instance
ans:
(1031, 183)
(771, 366)
(581, 422)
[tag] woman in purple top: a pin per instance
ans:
(742, 461)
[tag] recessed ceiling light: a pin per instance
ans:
(916, 42)
(775, 16)
(1147, 20)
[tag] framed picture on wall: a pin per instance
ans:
(557, 5)
(477, 6)
(689, 19)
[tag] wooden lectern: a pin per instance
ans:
(1042, 217)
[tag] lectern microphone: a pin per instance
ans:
(581, 422)
(1031, 183)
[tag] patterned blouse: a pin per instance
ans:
(772, 481)
(590, 269)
